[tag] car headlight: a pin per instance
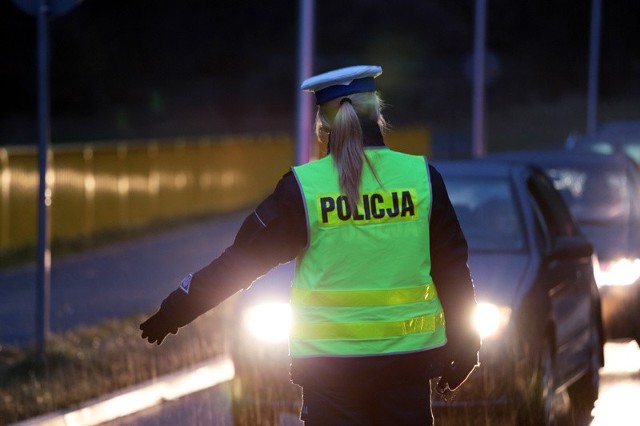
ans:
(269, 322)
(490, 319)
(619, 272)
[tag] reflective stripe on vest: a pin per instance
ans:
(369, 330)
(363, 286)
(363, 297)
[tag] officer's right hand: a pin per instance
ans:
(157, 327)
(457, 371)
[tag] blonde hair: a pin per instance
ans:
(338, 121)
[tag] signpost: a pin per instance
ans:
(304, 110)
(43, 10)
(479, 145)
(594, 59)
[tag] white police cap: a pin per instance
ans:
(342, 82)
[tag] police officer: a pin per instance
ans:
(382, 296)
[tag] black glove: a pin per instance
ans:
(456, 372)
(156, 328)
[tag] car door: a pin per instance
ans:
(568, 274)
(633, 180)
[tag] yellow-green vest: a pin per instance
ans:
(363, 284)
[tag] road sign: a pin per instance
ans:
(55, 7)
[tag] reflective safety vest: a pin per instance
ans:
(363, 285)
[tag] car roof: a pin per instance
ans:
(477, 167)
(631, 128)
(555, 157)
(614, 133)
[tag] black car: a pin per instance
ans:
(539, 306)
(610, 137)
(603, 193)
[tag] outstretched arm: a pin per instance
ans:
(274, 233)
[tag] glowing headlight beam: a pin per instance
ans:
(269, 322)
(490, 319)
(620, 272)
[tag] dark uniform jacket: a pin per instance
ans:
(276, 232)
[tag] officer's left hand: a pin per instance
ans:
(157, 327)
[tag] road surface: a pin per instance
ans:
(116, 281)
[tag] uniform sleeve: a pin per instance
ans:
(449, 268)
(273, 234)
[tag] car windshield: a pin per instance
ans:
(594, 196)
(487, 213)
(633, 151)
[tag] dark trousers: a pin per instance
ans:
(407, 405)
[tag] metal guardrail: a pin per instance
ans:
(97, 187)
(100, 187)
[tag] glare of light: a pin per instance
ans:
(619, 390)
(269, 322)
(621, 358)
(490, 319)
(146, 395)
(613, 407)
(620, 272)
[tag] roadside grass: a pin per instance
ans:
(89, 362)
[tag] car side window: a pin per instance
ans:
(542, 232)
(634, 184)
(552, 206)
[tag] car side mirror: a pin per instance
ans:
(571, 247)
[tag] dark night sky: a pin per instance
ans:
(145, 68)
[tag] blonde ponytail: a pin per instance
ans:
(339, 119)
(346, 146)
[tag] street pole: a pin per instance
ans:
(43, 10)
(44, 192)
(304, 101)
(479, 46)
(594, 59)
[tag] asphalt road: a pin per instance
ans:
(208, 407)
(115, 281)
